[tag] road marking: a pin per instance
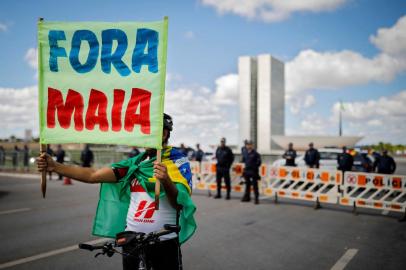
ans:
(345, 259)
(48, 254)
(12, 211)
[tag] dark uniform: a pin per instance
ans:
(60, 157)
(198, 155)
(345, 162)
(312, 158)
(385, 164)
(290, 156)
(225, 158)
(252, 161)
(87, 157)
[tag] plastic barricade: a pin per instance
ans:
(303, 184)
(206, 179)
(376, 191)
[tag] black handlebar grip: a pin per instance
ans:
(86, 246)
(172, 228)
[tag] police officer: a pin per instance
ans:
(345, 161)
(290, 156)
(312, 157)
(198, 154)
(244, 150)
(366, 163)
(385, 164)
(60, 157)
(87, 157)
(225, 158)
(252, 161)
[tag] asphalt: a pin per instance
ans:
(230, 235)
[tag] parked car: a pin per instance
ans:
(363, 163)
(328, 159)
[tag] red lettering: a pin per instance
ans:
(140, 209)
(74, 101)
(139, 98)
(150, 211)
(116, 110)
(97, 103)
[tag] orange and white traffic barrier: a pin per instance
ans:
(195, 167)
(376, 191)
(303, 184)
(206, 179)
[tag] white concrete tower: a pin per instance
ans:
(270, 101)
(247, 83)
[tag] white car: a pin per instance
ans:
(328, 159)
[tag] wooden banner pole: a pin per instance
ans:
(157, 183)
(42, 149)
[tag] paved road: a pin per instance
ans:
(231, 235)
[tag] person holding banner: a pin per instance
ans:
(127, 199)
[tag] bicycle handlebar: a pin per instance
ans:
(89, 247)
(128, 237)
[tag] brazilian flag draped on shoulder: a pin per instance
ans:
(114, 198)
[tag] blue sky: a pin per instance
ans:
(207, 37)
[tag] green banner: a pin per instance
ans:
(102, 82)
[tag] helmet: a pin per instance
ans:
(168, 123)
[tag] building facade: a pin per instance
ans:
(262, 100)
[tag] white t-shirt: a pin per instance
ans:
(142, 216)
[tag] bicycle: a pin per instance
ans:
(138, 241)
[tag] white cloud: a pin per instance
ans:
(189, 35)
(198, 119)
(334, 70)
(392, 40)
(31, 56)
(379, 119)
(3, 27)
(20, 110)
(226, 90)
(272, 10)
(331, 70)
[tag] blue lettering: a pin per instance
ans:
(107, 57)
(144, 37)
(91, 61)
(54, 50)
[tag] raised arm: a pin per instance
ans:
(86, 175)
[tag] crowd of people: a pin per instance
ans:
(17, 156)
(382, 162)
(224, 157)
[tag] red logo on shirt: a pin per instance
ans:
(147, 211)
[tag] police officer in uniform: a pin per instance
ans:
(290, 156)
(312, 157)
(345, 161)
(385, 164)
(225, 158)
(252, 161)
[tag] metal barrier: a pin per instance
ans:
(376, 191)
(316, 185)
